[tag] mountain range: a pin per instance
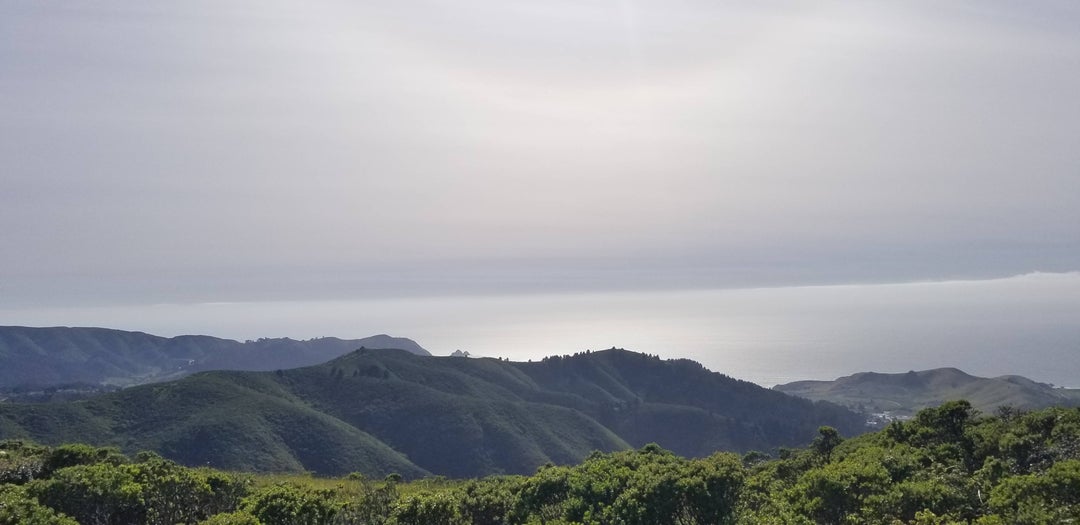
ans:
(60, 355)
(907, 393)
(381, 411)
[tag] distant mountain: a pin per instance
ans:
(61, 355)
(909, 392)
(377, 411)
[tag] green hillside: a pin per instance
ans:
(946, 466)
(377, 411)
(56, 356)
(912, 391)
(680, 404)
(219, 419)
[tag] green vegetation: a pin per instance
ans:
(946, 466)
(37, 360)
(383, 411)
(905, 394)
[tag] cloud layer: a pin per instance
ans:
(203, 151)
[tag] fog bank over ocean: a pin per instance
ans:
(1027, 325)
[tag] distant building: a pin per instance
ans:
(459, 353)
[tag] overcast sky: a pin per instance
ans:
(191, 151)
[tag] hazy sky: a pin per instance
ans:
(194, 151)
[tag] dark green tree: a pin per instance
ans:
(18, 508)
(286, 504)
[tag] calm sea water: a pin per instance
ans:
(1027, 325)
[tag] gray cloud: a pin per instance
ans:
(268, 150)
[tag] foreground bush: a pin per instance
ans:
(948, 465)
(152, 490)
(17, 508)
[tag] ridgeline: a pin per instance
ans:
(907, 393)
(380, 411)
(44, 357)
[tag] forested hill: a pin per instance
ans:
(62, 355)
(377, 411)
(682, 405)
(907, 393)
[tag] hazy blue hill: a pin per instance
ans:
(61, 355)
(381, 410)
(913, 391)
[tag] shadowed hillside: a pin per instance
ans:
(61, 355)
(371, 409)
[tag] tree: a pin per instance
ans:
(286, 504)
(1049, 497)
(99, 494)
(828, 438)
(18, 508)
(231, 518)
(488, 501)
(80, 454)
(427, 509)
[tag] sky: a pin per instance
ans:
(202, 152)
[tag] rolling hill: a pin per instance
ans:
(61, 355)
(377, 411)
(907, 393)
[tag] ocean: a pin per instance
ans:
(1027, 325)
